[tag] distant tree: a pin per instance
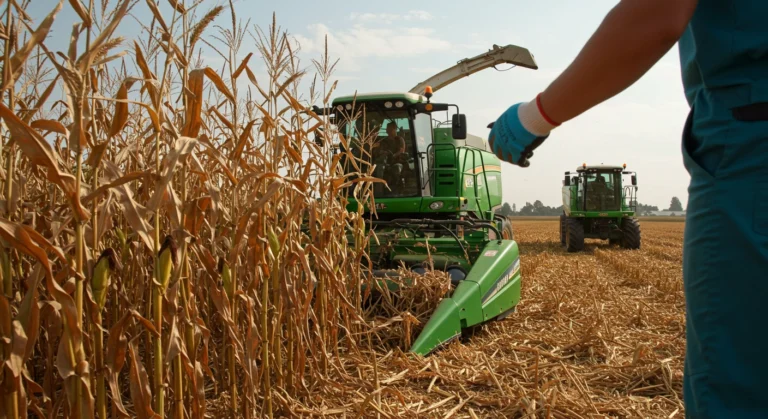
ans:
(643, 209)
(505, 210)
(527, 209)
(514, 208)
(675, 205)
(539, 209)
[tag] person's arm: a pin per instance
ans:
(631, 39)
(400, 144)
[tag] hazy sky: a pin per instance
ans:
(395, 44)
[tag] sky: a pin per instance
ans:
(393, 45)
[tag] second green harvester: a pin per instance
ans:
(597, 204)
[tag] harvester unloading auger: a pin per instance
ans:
(443, 188)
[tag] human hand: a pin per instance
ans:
(519, 131)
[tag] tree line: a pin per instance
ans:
(537, 208)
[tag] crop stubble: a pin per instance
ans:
(597, 334)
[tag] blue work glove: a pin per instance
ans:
(518, 131)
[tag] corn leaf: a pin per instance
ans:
(120, 116)
(37, 37)
(140, 390)
(39, 152)
(242, 65)
(178, 6)
(50, 125)
(81, 11)
(86, 60)
(182, 147)
(156, 13)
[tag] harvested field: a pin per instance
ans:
(597, 334)
(653, 219)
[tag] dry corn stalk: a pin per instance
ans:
(156, 144)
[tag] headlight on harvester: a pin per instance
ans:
(436, 205)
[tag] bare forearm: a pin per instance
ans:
(630, 40)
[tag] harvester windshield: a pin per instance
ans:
(599, 189)
(603, 191)
(394, 140)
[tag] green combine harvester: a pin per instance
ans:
(598, 205)
(442, 188)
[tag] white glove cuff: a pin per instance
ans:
(532, 119)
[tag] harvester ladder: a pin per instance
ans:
(439, 175)
(629, 199)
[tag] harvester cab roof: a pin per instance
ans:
(599, 167)
(585, 170)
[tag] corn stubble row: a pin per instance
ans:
(171, 247)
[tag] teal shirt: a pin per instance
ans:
(724, 64)
(725, 51)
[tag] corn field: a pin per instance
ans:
(168, 236)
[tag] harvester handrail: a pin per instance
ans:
(463, 173)
(487, 189)
(469, 223)
(629, 199)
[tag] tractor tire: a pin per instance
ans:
(574, 234)
(562, 229)
(631, 229)
(506, 231)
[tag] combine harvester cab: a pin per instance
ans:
(437, 208)
(599, 205)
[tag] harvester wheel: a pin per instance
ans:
(506, 232)
(574, 235)
(631, 229)
(562, 229)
